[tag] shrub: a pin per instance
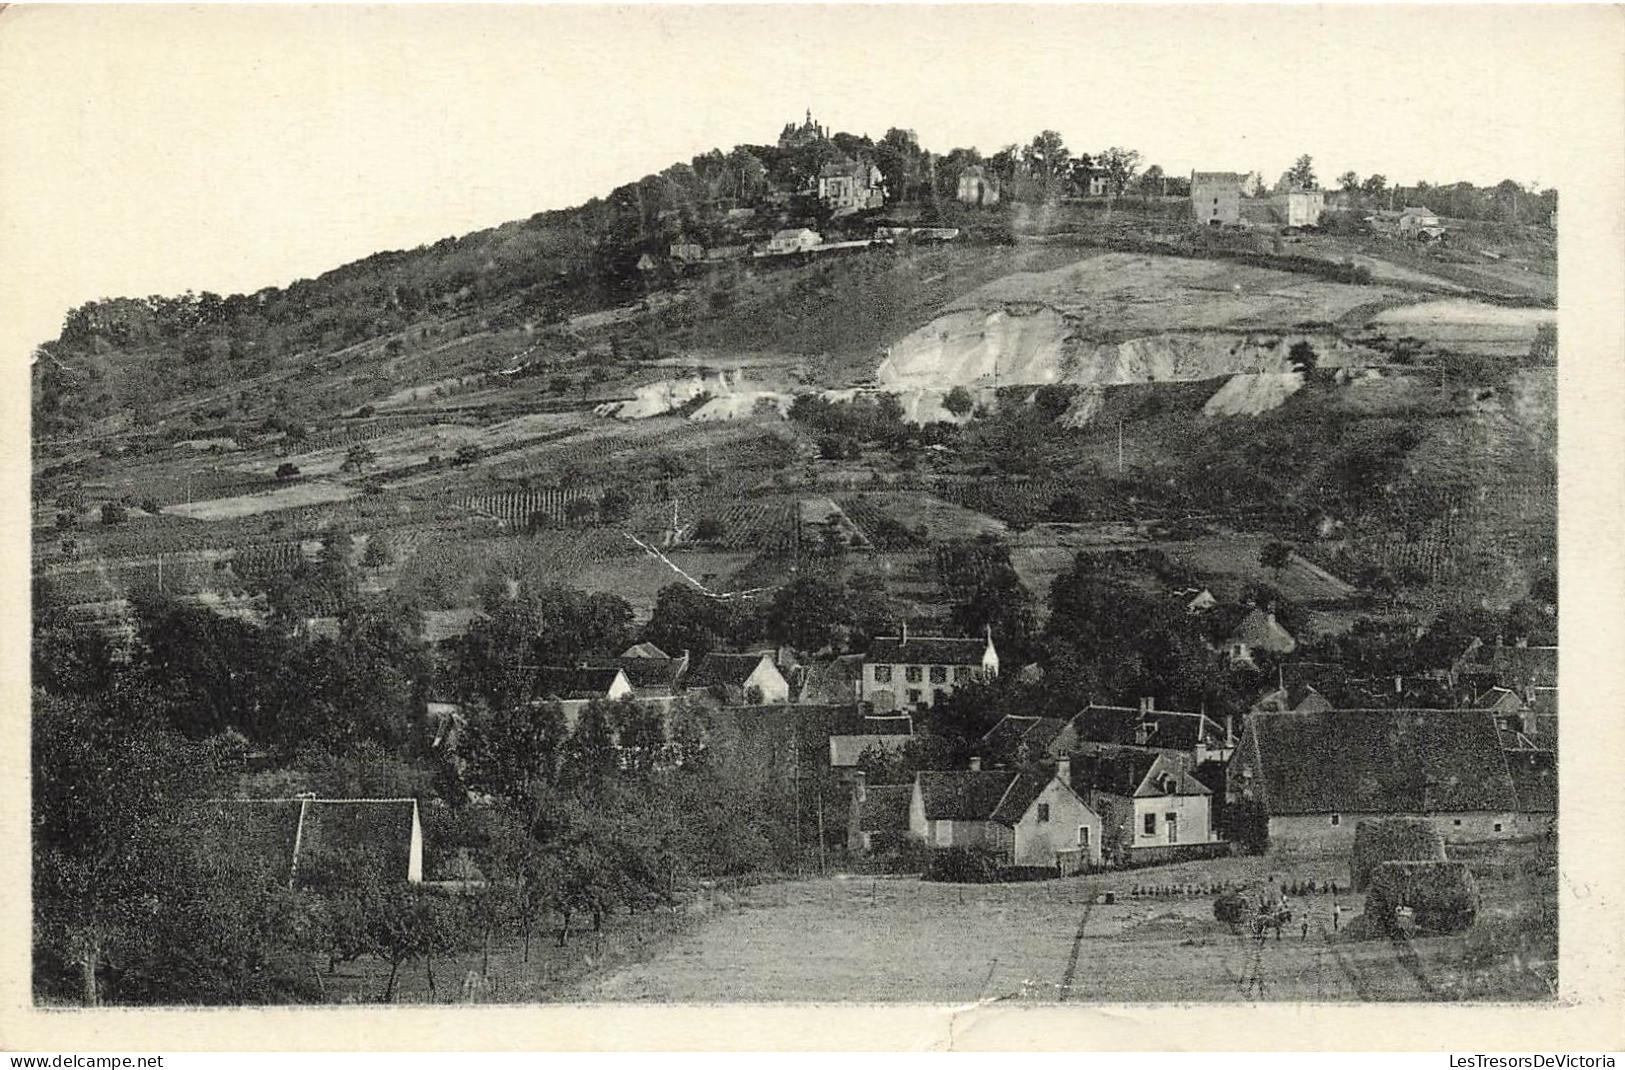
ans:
(962, 865)
(287, 470)
(1443, 896)
(114, 513)
(1398, 839)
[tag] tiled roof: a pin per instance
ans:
(1005, 740)
(1165, 729)
(885, 808)
(1024, 791)
(964, 795)
(645, 650)
(1116, 772)
(727, 670)
(1207, 178)
(926, 650)
(560, 682)
(1381, 761)
(644, 673)
(1534, 778)
(1261, 631)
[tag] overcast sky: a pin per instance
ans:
(150, 149)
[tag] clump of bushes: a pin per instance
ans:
(1397, 839)
(962, 865)
(1231, 908)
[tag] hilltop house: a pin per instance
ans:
(1152, 807)
(1257, 631)
(295, 835)
(978, 187)
(851, 186)
(1024, 818)
(899, 671)
(1216, 197)
(741, 678)
(793, 240)
(1308, 778)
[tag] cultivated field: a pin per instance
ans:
(903, 940)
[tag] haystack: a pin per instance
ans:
(1394, 839)
(1442, 896)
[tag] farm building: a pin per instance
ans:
(1258, 631)
(1216, 197)
(913, 673)
(1146, 727)
(879, 815)
(1310, 778)
(978, 187)
(736, 678)
(1150, 804)
(1024, 818)
(293, 835)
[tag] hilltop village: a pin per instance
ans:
(826, 510)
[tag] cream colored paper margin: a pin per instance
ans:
(1590, 1013)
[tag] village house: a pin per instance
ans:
(1419, 224)
(1097, 728)
(793, 240)
(1216, 197)
(751, 679)
(878, 820)
(298, 834)
(1025, 819)
(1310, 778)
(977, 187)
(580, 685)
(650, 677)
(851, 186)
(1258, 631)
(913, 673)
(1152, 807)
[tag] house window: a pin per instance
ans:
(1043, 813)
(1457, 822)
(1083, 835)
(1150, 824)
(882, 674)
(1337, 819)
(914, 695)
(1497, 826)
(913, 674)
(939, 674)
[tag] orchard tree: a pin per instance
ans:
(1302, 173)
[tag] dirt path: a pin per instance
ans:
(1077, 948)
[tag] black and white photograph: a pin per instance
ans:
(795, 505)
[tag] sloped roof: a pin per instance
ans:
(885, 808)
(1168, 729)
(1262, 631)
(1115, 772)
(1024, 791)
(562, 682)
(832, 680)
(726, 670)
(888, 724)
(644, 673)
(1534, 778)
(1170, 778)
(1210, 178)
(1004, 740)
(964, 795)
(644, 650)
(926, 650)
(1381, 761)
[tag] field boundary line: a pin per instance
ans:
(1077, 947)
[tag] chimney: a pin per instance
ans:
(860, 786)
(1148, 705)
(975, 765)
(1063, 771)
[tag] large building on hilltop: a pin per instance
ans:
(808, 133)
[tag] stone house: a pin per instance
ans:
(900, 672)
(1025, 819)
(1216, 197)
